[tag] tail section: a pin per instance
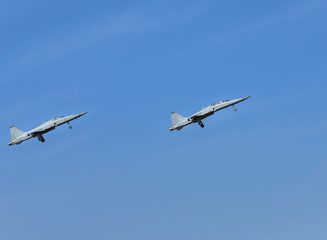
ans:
(176, 118)
(15, 132)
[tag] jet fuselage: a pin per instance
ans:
(19, 136)
(202, 114)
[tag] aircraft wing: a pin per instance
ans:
(40, 131)
(201, 114)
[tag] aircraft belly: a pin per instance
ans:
(209, 114)
(49, 129)
(59, 124)
(43, 131)
(196, 118)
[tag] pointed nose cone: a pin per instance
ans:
(81, 114)
(246, 98)
(77, 115)
(235, 101)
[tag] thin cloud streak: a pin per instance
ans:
(295, 13)
(124, 24)
(11, 11)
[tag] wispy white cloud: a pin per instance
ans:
(294, 13)
(11, 11)
(90, 34)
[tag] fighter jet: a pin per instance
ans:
(179, 121)
(18, 136)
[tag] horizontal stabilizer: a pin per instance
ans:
(176, 118)
(15, 132)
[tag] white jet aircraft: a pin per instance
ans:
(18, 136)
(179, 121)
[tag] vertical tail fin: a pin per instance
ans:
(176, 118)
(15, 132)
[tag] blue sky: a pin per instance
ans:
(256, 174)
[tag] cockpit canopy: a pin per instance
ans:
(221, 101)
(56, 118)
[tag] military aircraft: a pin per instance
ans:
(179, 121)
(18, 136)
